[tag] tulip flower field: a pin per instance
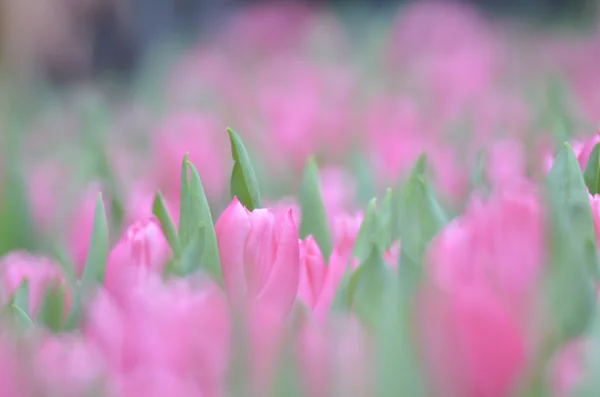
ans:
(410, 207)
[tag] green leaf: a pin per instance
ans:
(191, 257)
(202, 218)
(568, 195)
(386, 219)
(314, 220)
(20, 317)
(368, 234)
(419, 217)
(244, 184)
(367, 287)
(159, 209)
(568, 278)
(51, 312)
(185, 216)
(21, 296)
(95, 262)
(591, 174)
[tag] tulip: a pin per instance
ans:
(567, 368)
(470, 345)
(259, 254)
(587, 149)
(39, 272)
(312, 272)
(142, 247)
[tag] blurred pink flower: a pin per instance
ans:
(595, 208)
(139, 201)
(345, 231)
(150, 336)
(496, 246)
(68, 366)
(259, 255)
(41, 274)
(566, 369)
(283, 206)
(338, 191)
(143, 247)
(312, 272)
(205, 141)
(506, 163)
(43, 185)
(470, 344)
(586, 150)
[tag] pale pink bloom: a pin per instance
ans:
(335, 271)
(42, 274)
(153, 329)
(259, 255)
(587, 149)
(13, 382)
(284, 205)
(81, 223)
(337, 190)
(470, 344)
(312, 272)
(595, 207)
(336, 358)
(566, 369)
(506, 163)
(204, 139)
(142, 247)
(345, 231)
(495, 246)
(68, 366)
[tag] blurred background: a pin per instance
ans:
(72, 40)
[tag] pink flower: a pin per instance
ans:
(595, 207)
(312, 272)
(67, 366)
(41, 274)
(150, 337)
(337, 190)
(496, 246)
(345, 230)
(470, 345)
(142, 247)
(587, 149)
(259, 255)
(506, 163)
(283, 206)
(140, 199)
(566, 369)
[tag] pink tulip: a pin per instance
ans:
(566, 369)
(67, 366)
(13, 382)
(470, 345)
(506, 163)
(496, 246)
(150, 336)
(337, 190)
(283, 206)
(345, 230)
(595, 207)
(312, 272)
(142, 247)
(41, 274)
(259, 255)
(587, 149)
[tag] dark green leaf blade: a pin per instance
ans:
(591, 174)
(159, 209)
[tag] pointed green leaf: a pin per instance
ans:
(314, 220)
(185, 218)
(368, 286)
(51, 312)
(20, 317)
(567, 194)
(385, 216)
(419, 216)
(368, 234)
(159, 209)
(191, 257)
(202, 218)
(95, 262)
(244, 184)
(21, 296)
(591, 174)
(568, 277)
